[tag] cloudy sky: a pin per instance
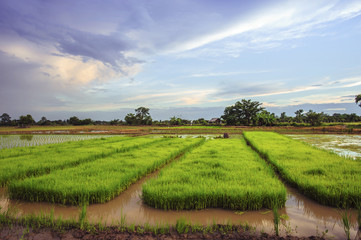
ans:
(184, 58)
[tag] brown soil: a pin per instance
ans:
(20, 232)
(144, 130)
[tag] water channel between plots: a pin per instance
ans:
(303, 216)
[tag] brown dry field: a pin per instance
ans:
(145, 130)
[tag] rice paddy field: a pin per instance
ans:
(203, 179)
(322, 175)
(344, 145)
(223, 173)
(44, 159)
(13, 141)
(101, 180)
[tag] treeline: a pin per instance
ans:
(242, 113)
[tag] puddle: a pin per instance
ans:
(344, 145)
(305, 217)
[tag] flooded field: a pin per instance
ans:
(12, 141)
(301, 216)
(345, 145)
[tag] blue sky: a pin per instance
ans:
(185, 58)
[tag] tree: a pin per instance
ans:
(114, 122)
(74, 121)
(284, 118)
(26, 120)
(314, 118)
(175, 121)
(141, 117)
(5, 119)
(242, 113)
(358, 99)
(266, 118)
(299, 116)
(43, 121)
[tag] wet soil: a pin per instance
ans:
(20, 232)
(301, 217)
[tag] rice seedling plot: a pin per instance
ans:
(100, 181)
(321, 175)
(36, 150)
(222, 173)
(44, 159)
(14, 141)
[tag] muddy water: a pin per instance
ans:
(344, 145)
(302, 216)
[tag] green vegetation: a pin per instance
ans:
(101, 180)
(324, 176)
(23, 162)
(14, 141)
(221, 173)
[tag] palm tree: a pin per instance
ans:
(358, 99)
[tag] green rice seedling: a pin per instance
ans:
(16, 141)
(321, 175)
(346, 222)
(181, 226)
(49, 158)
(276, 219)
(223, 173)
(101, 180)
(82, 217)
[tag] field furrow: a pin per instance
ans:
(68, 154)
(101, 180)
(321, 175)
(222, 173)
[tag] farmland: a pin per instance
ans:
(324, 176)
(43, 159)
(101, 180)
(12, 141)
(221, 173)
(224, 180)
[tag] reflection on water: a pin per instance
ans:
(344, 145)
(305, 217)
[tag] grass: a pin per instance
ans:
(222, 173)
(321, 175)
(21, 163)
(101, 180)
(34, 223)
(276, 219)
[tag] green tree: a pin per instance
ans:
(141, 117)
(43, 121)
(5, 119)
(313, 118)
(175, 121)
(266, 118)
(130, 119)
(26, 120)
(358, 99)
(299, 116)
(74, 121)
(242, 113)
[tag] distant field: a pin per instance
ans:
(145, 130)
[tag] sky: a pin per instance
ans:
(102, 59)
